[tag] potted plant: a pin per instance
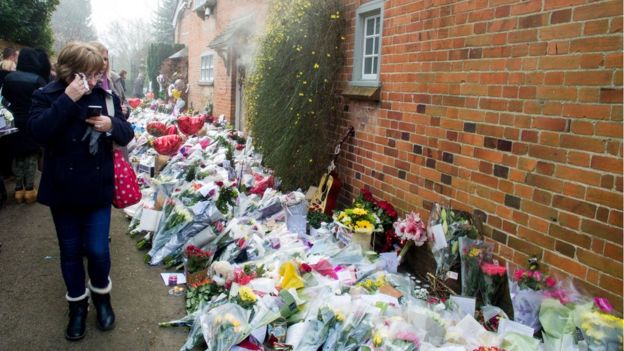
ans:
(315, 218)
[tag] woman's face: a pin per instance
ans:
(92, 79)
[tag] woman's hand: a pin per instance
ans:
(77, 88)
(101, 123)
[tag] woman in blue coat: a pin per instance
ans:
(77, 178)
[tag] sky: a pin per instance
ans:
(105, 11)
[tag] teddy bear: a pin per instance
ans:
(221, 272)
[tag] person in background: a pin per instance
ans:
(122, 79)
(7, 65)
(9, 62)
(77, 181)
(33, 70)
(110, 80)
(138, 86)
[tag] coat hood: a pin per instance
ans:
(34, 61)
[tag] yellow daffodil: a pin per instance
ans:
(246, 294)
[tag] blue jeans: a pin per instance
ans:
(83, 231)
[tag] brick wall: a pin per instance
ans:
(510, 107)
(196, 33)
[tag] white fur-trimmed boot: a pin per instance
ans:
(103, 308)
(78, 308)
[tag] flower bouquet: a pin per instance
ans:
(453, 224)
(601, 330)
(401, 336)
(196, 265)
(360, 223)
(491, 317)
(387, 216)
(473, 253)
(225, 326)
(176, 217)
(196, 295)
(315, 218)
(245, 297)
(357, 328)
(557, 321)
(371, 285)
(411, 230)
(491, 283)
(317, 328)
(227, 198)
(526, 287)
(296, 207)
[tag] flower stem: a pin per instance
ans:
(408, 245)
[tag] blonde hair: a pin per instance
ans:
(78, 57)
(102, 50)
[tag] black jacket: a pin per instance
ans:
(17, 90)
(72, 177)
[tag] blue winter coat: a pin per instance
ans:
(72, 177)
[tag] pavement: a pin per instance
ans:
(33, 310)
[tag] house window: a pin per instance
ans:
(206, 73)
(371, 47)
(367, 49)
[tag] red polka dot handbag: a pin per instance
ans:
(127, 191)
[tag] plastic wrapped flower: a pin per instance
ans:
(246, 294)
(359, 220)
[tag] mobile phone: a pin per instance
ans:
(94, 110)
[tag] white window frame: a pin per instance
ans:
(371, 10)
(206, 68)
(375, 54)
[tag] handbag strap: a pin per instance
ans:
(110, 108)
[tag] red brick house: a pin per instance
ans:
(513, 108)
(216, 35)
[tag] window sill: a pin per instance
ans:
(358, 90)
(365, 83)
(205, 84)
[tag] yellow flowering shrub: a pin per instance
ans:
(290, 93)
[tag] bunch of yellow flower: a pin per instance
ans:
(246, 294)
(602, 328)
(358, 220)
(246, 298)
(371, 285)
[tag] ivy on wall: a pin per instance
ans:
(291, 91)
